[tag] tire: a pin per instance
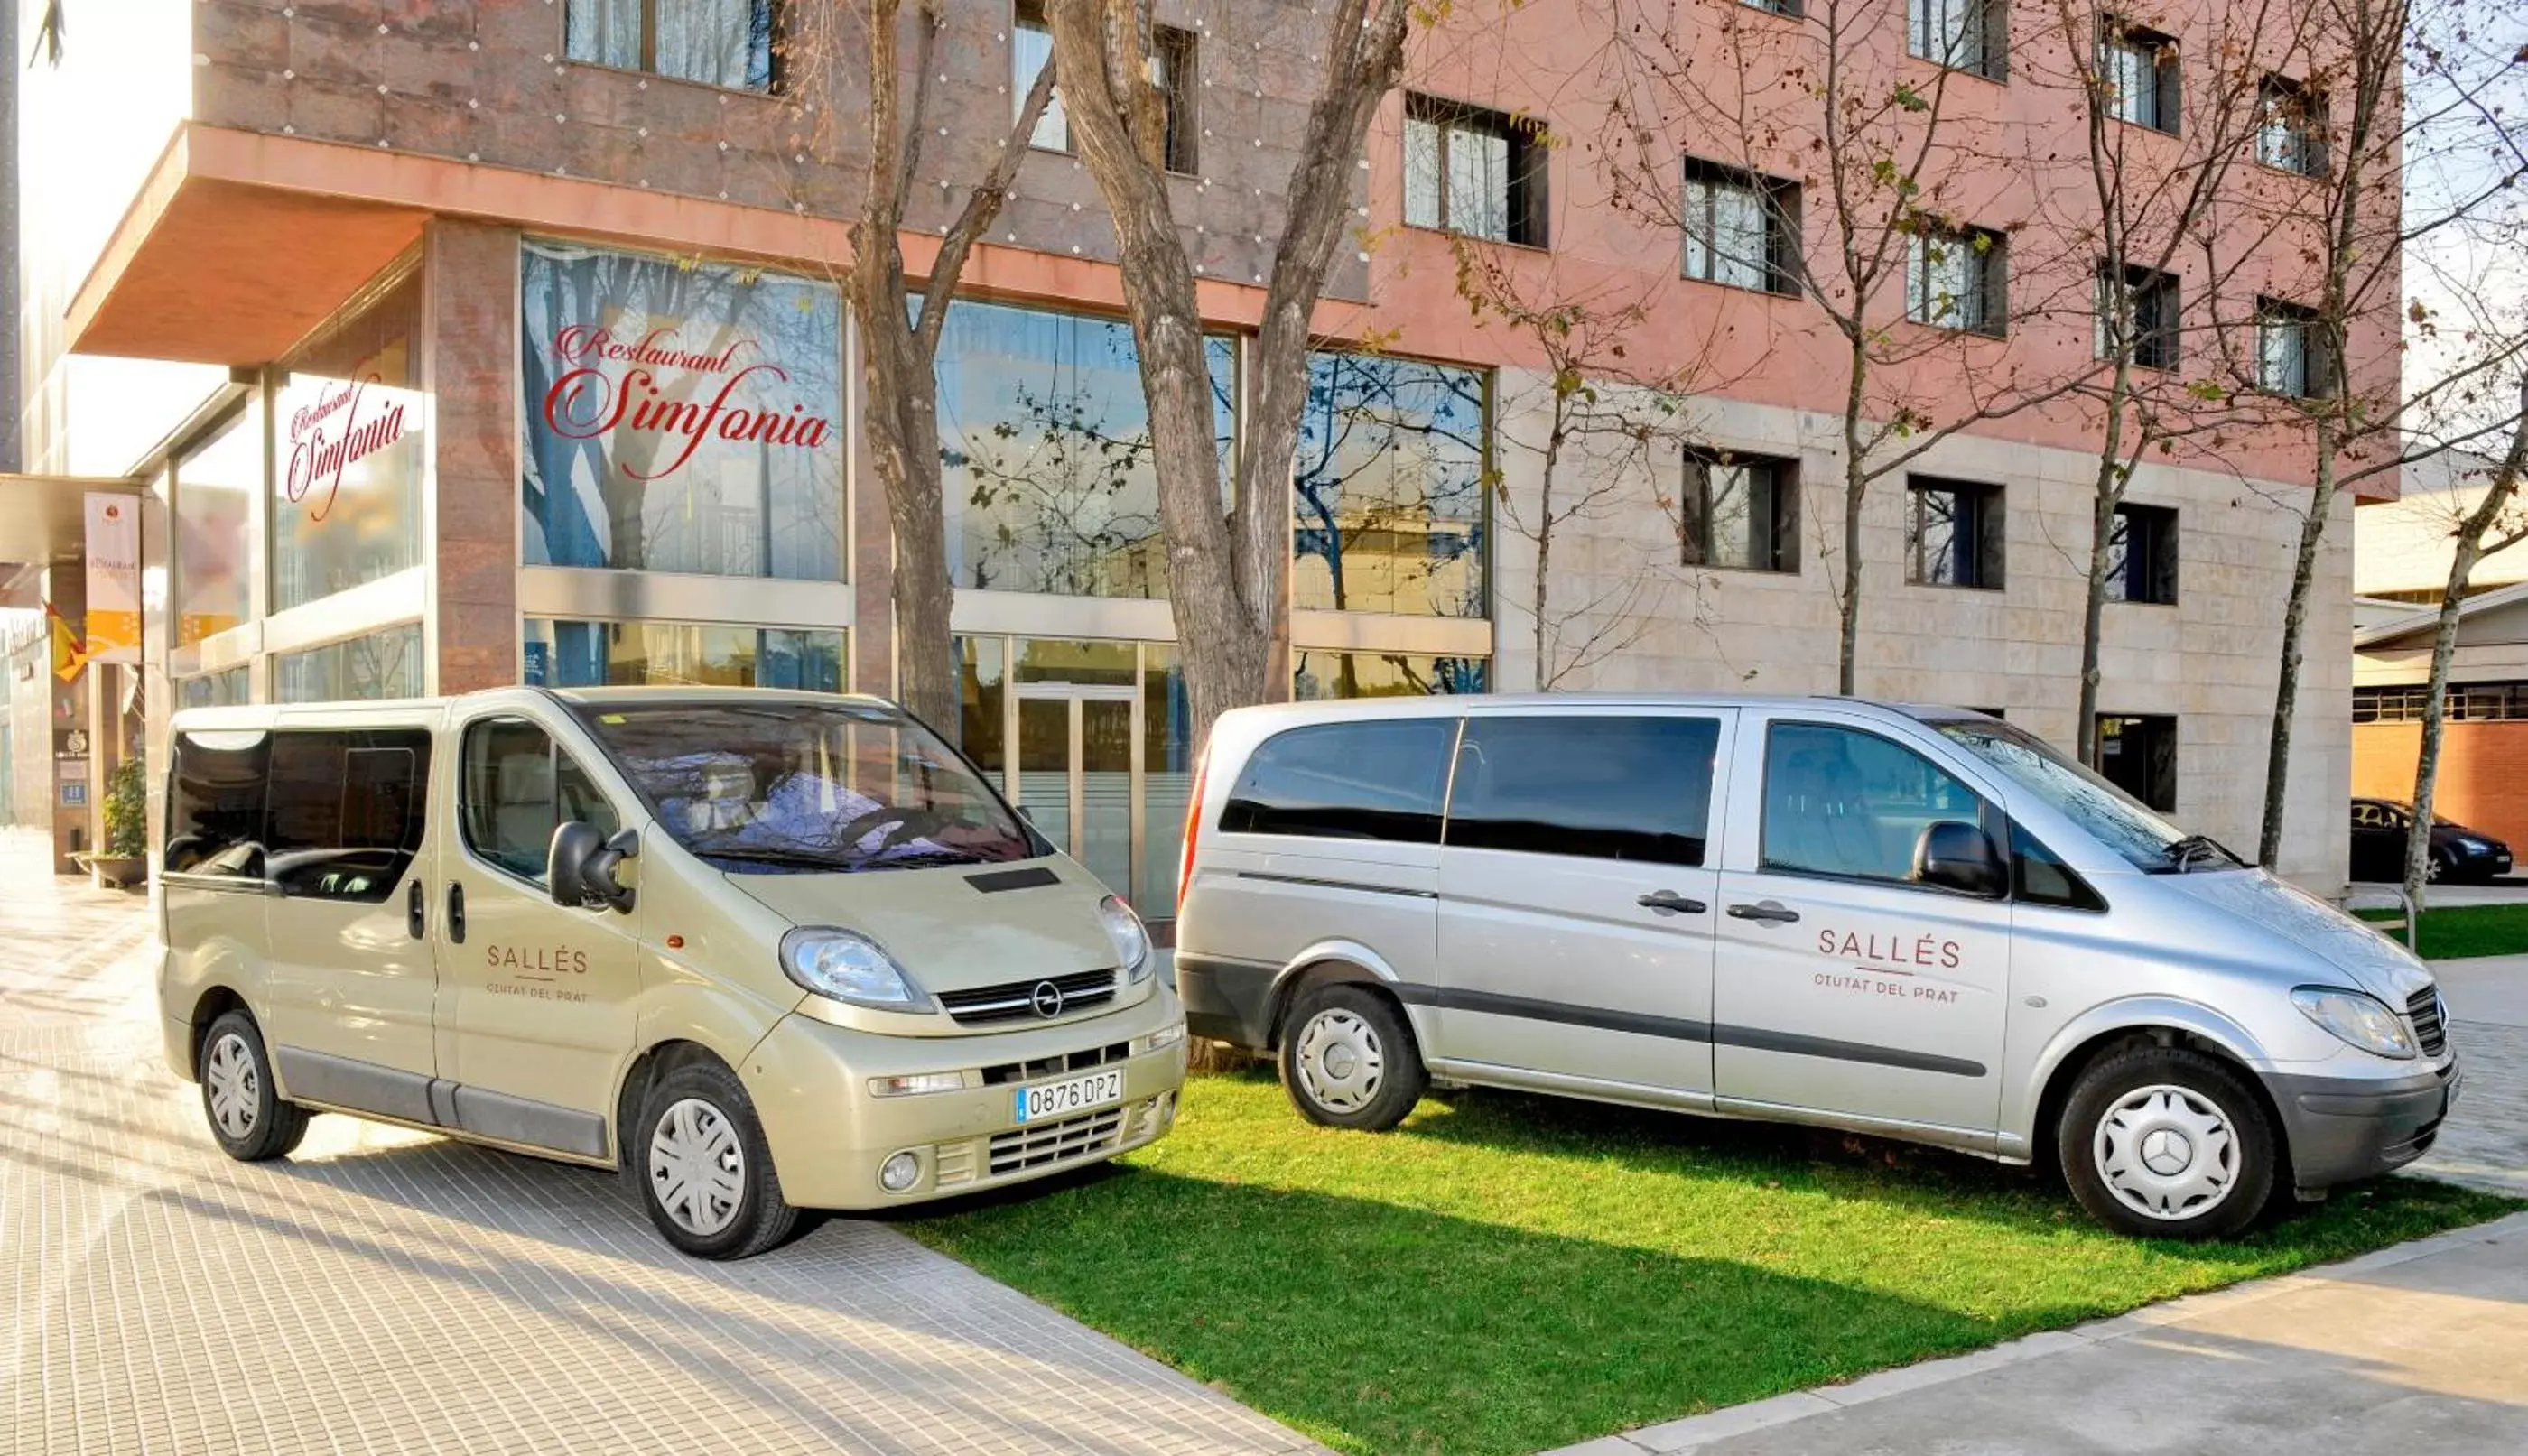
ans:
(247, 1118)
(1349, 1060)
(2168, 1142)
(702, 1168)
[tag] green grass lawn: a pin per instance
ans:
(2460, 930)
(1504, 1274)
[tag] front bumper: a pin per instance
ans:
(2340, 1129)
(810, 1081)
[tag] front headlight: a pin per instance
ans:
(850, 968)
(2357, 1019)
(1153, 1041)
(1131, 939)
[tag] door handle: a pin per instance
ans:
(1770, 913)
(1669, 903)
(414, 901)
(455, 913)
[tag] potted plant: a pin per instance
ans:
(124, 861)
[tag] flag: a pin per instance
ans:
(70, 654)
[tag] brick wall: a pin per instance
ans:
(2484, 772)
(471, 293)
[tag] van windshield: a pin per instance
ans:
(796, 788)
(2114, 818)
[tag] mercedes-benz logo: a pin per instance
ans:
(1046, 998)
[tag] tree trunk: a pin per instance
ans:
(902, 391)
(1856, 492)
(1547, 676)
(2313, 535)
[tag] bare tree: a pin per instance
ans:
(1225, 572)
(837, 50)
(2366, 56)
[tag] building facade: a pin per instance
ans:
(502, 340)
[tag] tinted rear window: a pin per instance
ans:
(1374, 780)
(1605, 788)
(215, 804)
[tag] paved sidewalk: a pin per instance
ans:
(386, 1291)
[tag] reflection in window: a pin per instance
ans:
(679, 416)
(595, 654)
(1380, 779)
(215, 804)
(1031, 51)
(215, 485)
(518, 789)
(1601, 787)
(1389, 486)
(382, 665)
(719, 43)
(345, 811)
(1044, 443)
(214, 688)
(348, 432)
(1317, 674)
(1841, 801)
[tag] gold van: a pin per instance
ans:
(760, 951)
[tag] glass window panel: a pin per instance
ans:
(1940, 532)
(981, 689)
(215, 804)
(593, 655)
(344, 814)
(518, 788)
(214, 688)
(1841, 801)
(382, 665)
(1031, 51)
(719, 42)
(349, 435)
(1478, 182)
(680, 416)
(1422, 172)
(1602, 788)
(1390, 488)
(1167, 777)
(215, 489)
(1317, 674)
(1110, 665)
(604, 33)
(1371, 780)
(1739, 519)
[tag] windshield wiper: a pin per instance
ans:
(792, 859)
(2181, 853)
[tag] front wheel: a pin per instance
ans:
(1349, 1060)
(704, 1168)
(2167, 1142)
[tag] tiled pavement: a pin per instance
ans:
(385, 1291)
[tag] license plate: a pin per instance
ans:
(1077, 1095)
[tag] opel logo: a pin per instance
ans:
(1046, 998)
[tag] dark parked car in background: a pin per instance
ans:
(2459, 854)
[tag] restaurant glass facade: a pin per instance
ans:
(350, 449)
(590, 655)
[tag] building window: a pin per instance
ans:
(1959, 279)
(679, 416)
(2467, 702)
(2290, 126)
(2141, 555)
(1471, 171)
(215, 488)
(1741, 230)
(1390, 488)
(1318, 674)
(1970, 36)
(1176, 69)
(1791, 8)
(2147, 306)
(1953, 534)
(2139, 70)
(1031, 51)
(717, 43)
(2291, 357)
(1044, 445)
(382, 665)
(598, 654)
(2138, 754)
(1741, 511)
(348, 426)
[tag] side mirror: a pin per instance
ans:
(1956, 856)
(580, 866)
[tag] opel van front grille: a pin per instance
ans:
(1015, 1000)
(1051, 1067)
(1023, 1148)
(2424, 1009)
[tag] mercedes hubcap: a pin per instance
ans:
(2167, 1153)
(1342, 1064)
(234, 1090)
(696, 1168)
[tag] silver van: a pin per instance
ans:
(1917, 922)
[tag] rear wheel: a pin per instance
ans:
(248, 1117)
(703, 1168)
(2167, 1142)
(1349, 1060)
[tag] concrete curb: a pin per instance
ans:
(1670, 1437)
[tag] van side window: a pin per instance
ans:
(1605, 788)
(1841, 801)
(1381, 779)
(518, 788)
(345, 813)
(215, 804)
(2042, 878)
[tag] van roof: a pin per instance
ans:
(1417, 706)
(409, 711)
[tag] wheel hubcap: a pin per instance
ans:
(1341, 1064)
(2167, 1153)
(234, 1090)
(696, 1167)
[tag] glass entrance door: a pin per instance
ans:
(1079, 762)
